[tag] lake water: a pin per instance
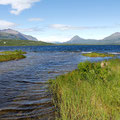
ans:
(24, 93)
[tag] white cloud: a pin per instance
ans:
(69, 27)
(6, 24)
(62, 27)
(35, 19)
(32, 29)
(18, 5)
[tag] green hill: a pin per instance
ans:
(22, 43)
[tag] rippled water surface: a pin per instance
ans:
(24, 93)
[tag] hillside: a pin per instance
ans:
(22, 43)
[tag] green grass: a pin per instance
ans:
(98, 55)
(12, 55)
(13, 52)
(91, 92)
(22, 43)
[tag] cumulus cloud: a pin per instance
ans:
(18, 5)
(35, 19)
(69, 27)
(6, 24)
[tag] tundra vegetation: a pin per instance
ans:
(91, 92)
(12, 55)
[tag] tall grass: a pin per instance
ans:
(11, 55)
(92, 92)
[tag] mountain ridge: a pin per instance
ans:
(15, 35)
(112, 39)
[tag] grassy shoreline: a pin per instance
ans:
(98, 55)
(91, 92)
(11, 55)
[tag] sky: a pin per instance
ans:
(60, 20)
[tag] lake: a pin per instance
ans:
(24, 92)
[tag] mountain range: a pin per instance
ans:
(15, 35)
(10, 34)
(112, 39)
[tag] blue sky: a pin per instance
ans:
(59, 20)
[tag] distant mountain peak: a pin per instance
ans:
(76, 37)
(13, 34)
(75, 40)
(10, 31)
(116, 34)
(112, 39)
